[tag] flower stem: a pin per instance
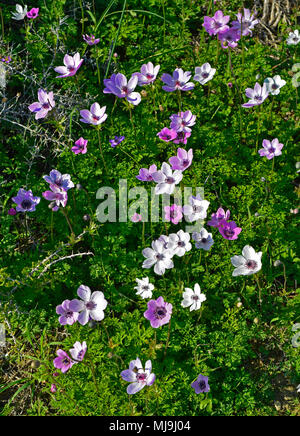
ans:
(259, 288)
(101, 151)
(168, 339)
(68, 221)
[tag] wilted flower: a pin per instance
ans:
(293, 38)
(91, 305)
(257, 95)
(247, 264)
(183, 122)
(229, 38)
(183, 159)
(201, 384)
(90, 39)
(203, 239)
(144, 288)
(173, 213)
(146, 175)
(148, 74)
(178, 81)
(274, 85)
(78, 351)
(159, 256)
(45, 104)
(62, 181)
(20, 13)
(117, 85)
(167, 135)
(219, 216)
(217, 23)
(136, 218)
(67, 316)
(137, 376)
(63, 361)
(270, 149)
(166, 179)
(229, 230)
(116, 141)
(72, 65)
(245, 23)
(204, 73)
(80, 146)
(25, 201)
(158, 312)
(193, 298)
(57, 195)
(96, 115)
(197, 209)
(33, 13)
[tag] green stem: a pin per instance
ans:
(168, 339)
(101, 151)
(82, 16)
(68, 221)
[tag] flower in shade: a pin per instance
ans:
(62, 181)
(247, 264)
(6, 59)
(201, 384)
(179, 243)
(78, 351)
(229, 230)
(197, 209)
(58, 197)
(217, 23)
(45, 104)
(257, 95)
(25, 201)
(204, 73)
(167, 135)
(166, 179)
(96, 115)
(33, 13)
(193, 298)
(71, 66)
(136, 218)
(293, 38)
(63, 361)
(80, 146)
(182, 137)
(183, 122)
(229, 38)
(203, 239)
(137, 376)
(159, 256)
(146, 175)
(173, 213)
(118, 85)
(271, 148)
(158, 312)
(116, 141)
(148, 74)
(90, 39)
(53, 388)
(20, 13)
(183, 159)
(219, 216)
(67, 316)
(91, 305)
(144, 288)
(12, 211)
(245, 23)
(178, 81)
(274, 85)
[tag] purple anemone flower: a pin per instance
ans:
(117, 85)
(173, 213)
(59, 180)
(33, 13)
(158, 312)
(25, 201)
(6, 59)
(137, 376)
(57, 196)
(45, 104)
(63, 361)
(116, 141)
(78, 351)
(270, 149)
(72, 65)
(167, 135)
(146, 175)
(219, 216)
(12, 211)
(80, 146)
(229, 230)
(67, 316)
(183, 159)
(91, 305)
(148, 74)
(229, 38)
(201, 384)
(90, 39)
(217, 23)
(96, 115)
(257, 95)
(183, 122)
(178, 81)
(182, 137)
(245, 23)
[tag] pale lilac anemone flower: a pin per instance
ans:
(95, 116)
(229, 38)
(148, 74)
(78, 351)
(219, 216)
(183, 159)
(57, 196)
(159, 256)
(91, 305)
(137, 376)
(67, 316)
(245, 23)
(201, 384)
(173, 213)
(145, 175)
(159, 312)
(63, 361)
(62, 181)
(45, 104)
(257, 95)
(178, 81)
(217, 23)
(166, 179)
(270, 149)
(247, 264)
(90, 39)
(204, 73)
(183, 122)
(118, 85)
(72, 65)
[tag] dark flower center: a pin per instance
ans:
(202, 385)
(160, 312)
(185, 162)
(160, 256)
(149, 76)
(46, 106)
(26, 204)
(181, 244)
(274, 86)
(258, 98)
(65, 361)
(124, 90)
(170, 180)
(71, 69)
(91, 305)
(80, 355)
(69, 314)
(204, 240)
(251, 264)
(205, 75)
(229, 233)
(197, 209)
(195, 297)
(271, 150)
(141, 377)
(145, 288)
(95, 118)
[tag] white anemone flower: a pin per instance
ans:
(247, 264)
(293, 38)
(193, 298)
(203, 239)
(197, 209)
(91, 305)
(179, 243)
(166, 179)
(204, 73)
(158, 256)
(274, 85)
(20, 13)
(144, 288)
